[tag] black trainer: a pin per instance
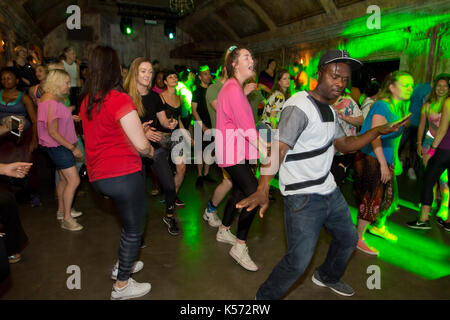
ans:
(339, 287)
(443, 224)
(179, 203)
(417, 224)
(208, 178)
(172, 225)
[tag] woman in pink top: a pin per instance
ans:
(56, 132)
(235, 146)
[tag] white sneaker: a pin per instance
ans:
(412, 174)
(225, 236)
(71, 225)
(212, 218)
(239, 252)
(73, 213)
(131, 290)
(136, 268)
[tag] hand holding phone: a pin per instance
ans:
(15, 126)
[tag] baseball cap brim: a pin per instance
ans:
(354, 64)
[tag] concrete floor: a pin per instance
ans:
(192, 265)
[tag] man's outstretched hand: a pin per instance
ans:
(259, 198)
(394, 126)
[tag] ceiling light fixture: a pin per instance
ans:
(181, 7)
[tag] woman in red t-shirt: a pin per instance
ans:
(114, 138)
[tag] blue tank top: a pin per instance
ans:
(14, 108)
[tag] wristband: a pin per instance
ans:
(431, 152)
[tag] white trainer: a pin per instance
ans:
(131, 290)
(239, 252)
(212, 218)
(71, 225)
(73, 213)
(138, 266)
(224, 235)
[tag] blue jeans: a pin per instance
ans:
(128, 194)
(304, 216)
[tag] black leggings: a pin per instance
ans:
(244, 184)
(161, 168)
(15, 238)
(128, 194)
(437, 164)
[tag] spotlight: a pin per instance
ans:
(126, 26)
(170, 30)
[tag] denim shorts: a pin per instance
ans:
(61, 156)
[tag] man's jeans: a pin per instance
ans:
(304, 216)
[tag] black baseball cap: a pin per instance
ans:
(335, 55)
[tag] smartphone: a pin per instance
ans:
(15, 123)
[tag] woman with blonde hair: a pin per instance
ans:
(56, 133)
(150, 111)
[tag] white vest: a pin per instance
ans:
(71, 69)
(306, 168)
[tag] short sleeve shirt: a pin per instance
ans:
(109, 152)
(347, 106)
(199, 97)
(293, 121)
(211, 94)
(387, 141)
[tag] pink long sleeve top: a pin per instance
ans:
(236, 135)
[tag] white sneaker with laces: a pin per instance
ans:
(71, 225)
(224, 235)
(212, 218)
(138, 266)
(73, 213)
(239, 252)
(131, 290)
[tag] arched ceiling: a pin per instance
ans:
(214, 24)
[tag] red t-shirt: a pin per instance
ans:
(109, 152)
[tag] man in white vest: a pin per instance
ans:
(309, 134)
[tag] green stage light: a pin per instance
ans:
(170, 29)
(126, 26)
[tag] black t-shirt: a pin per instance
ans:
(26, 71)
(199, 97)
(152, 105)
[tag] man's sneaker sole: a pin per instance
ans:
(368, 252)
(132, 296)
(321, 284)
(206, 218)
(168, 229)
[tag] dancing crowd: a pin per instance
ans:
(121, 125)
